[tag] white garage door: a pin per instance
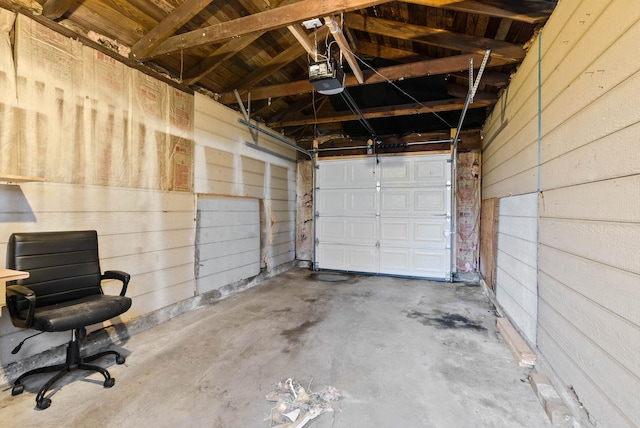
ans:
(389, 216)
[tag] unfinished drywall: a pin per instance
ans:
(583, 158)
(230, 161)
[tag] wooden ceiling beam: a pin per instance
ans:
(259, 22)
(461, 91)
(54, 9)
(376, 50)
(434, 36)
(445, 65)
(301, 105)
(338, 36)
(390, 111)
(277, 62)
(307, 44)
(532, 12)
(217, 57)
(167, 27)
(489, 77)
(224, 52)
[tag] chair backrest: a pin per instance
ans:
(62, 266)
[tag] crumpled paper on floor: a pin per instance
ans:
(295, 406)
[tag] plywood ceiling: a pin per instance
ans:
(406, 62)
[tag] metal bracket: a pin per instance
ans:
(246, 113)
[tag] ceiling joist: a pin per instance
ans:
(435, 37)
(532, 12)
(445, 65)
(54, 9)
(277, 62)
(167, 27)
(391, 111)
(338, 36)
(301, 36)
(259, 22)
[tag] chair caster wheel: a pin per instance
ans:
(108, 383)
(43, 404)
(17, 389)
(120, 359)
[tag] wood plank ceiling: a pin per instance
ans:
(406, 62)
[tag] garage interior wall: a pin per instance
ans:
(230, 162)
(142, 205)
(586, 164)
(517, 259)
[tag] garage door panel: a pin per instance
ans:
(395, 172)
(399, 226)
(412, 262)
(405, 171)
(430, 264)
(347, 257)
(343, 174)
(350, 202)
(414, 202)
(395, 261)
(432, 171)
(395, 201)
(434, 234)
(414, 233)
(395, 231)
(361, 231)
(435, 201)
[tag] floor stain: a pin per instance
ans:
(293, 334)
(453, 321)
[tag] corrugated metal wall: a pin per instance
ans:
(589, 209)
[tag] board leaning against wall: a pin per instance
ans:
(385, 215)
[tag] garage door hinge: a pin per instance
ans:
(317, 242)
(449, 185)
(377, 244)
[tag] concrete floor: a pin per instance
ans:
(404, 353)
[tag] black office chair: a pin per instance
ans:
(63, 292)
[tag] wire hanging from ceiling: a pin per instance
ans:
(405, 93)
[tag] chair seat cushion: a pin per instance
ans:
(79, 312)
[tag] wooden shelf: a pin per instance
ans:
(18, 178)
(10, 274)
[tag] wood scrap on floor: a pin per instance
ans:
(295, 406)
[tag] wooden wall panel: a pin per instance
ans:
(589, 209)
(223, 258)
(516, 271)
(149, 234)
(226, 165)
(489, 241)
